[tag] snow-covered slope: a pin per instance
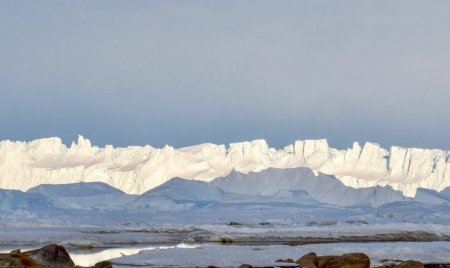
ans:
(179, 194)
(186, 190)
(14, 199)
(190, 194)
(134, 169)
(92, 195)
(297, 197)
(75, 189)
(323, 188)
(432, 196)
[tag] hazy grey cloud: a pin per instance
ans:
(186, 72)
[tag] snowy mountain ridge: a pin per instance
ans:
(136, 169)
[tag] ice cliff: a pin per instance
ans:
(136, 169)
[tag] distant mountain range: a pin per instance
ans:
(136, 169)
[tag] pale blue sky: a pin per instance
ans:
(188, 72)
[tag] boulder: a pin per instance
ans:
(322, 261)
(15, 253)
(410, 264)
(48, 256)
(103, 264)
(51, 256)
(352, 260)
(308, 261)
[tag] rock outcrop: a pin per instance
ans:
(351, 260)
(49, 256)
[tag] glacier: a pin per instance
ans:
(137, 169)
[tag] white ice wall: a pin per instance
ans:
(137, 169)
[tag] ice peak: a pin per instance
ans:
(356, 146)
(82, 142)
(83, 146)
(308, 147)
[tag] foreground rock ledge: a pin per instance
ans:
(352, 260)
(56, 256)
(53, 256)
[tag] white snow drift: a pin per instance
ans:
(134, 169)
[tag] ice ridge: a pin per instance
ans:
(136, 169)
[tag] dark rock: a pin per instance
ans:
(410, 264)
(226, 240)
(352, 260)
(245, 266)
(103, 264)
(15, 253)
(50, 256)
(437, 265)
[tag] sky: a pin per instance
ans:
(190, 72)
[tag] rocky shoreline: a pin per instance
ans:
(351, 260)
(52, 256)
(56, 256)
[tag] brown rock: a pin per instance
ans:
(308, 261)
(352, 260)
(48, 256)
(437, 265)
(245, 266)
(323, 260)
(15, 253)
(103, 264)
(6, 260)
(410, 264)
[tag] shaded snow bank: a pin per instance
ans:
(323, 188)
